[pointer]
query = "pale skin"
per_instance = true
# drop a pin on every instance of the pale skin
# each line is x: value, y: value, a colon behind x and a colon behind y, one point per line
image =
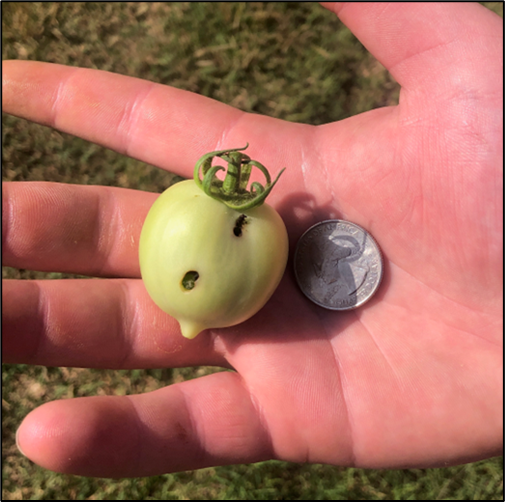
x: 413, y: 379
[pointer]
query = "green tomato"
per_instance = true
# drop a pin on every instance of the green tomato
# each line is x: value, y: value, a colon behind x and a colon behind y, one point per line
x: 206, y: 264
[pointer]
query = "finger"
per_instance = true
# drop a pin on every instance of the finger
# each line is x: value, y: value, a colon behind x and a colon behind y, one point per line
x: 194, y: 424
x: 429, y: 45
x: 94, y: 324
x: 86, y: 230
x: 161, y: 125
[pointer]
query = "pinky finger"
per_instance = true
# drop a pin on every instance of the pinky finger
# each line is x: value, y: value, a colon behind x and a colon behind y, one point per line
x: 199, y: 423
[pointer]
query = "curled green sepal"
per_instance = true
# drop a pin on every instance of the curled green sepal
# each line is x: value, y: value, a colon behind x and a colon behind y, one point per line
x: 232, y: 191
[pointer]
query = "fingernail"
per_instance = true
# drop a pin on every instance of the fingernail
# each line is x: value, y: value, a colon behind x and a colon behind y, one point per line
x: 17, y: 442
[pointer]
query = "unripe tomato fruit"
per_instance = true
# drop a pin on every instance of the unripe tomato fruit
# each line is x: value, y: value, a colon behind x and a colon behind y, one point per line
x: 206, y: 264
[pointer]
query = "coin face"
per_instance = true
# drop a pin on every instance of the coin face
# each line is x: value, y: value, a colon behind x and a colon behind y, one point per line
x: 338, y: 265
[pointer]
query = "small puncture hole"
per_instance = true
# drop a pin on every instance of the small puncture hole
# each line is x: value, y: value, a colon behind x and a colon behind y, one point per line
x: 239, y: 223
x: 189, y: 280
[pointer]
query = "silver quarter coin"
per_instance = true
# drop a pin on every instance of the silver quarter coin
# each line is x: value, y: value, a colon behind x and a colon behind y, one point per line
x: 338, y: 265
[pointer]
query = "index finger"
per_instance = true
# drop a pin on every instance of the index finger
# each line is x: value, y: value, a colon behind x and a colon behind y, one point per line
x: 158, y: 124
x: 132, y: 116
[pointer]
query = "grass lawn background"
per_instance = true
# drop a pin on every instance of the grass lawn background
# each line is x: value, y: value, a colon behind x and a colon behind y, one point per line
x: 294, y: 61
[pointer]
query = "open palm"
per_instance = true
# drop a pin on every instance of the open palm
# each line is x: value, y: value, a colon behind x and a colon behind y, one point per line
x: 411, y: 379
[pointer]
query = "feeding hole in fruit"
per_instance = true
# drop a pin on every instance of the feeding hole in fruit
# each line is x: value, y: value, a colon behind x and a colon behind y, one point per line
x: 239, y: 223
x: 189, y: 280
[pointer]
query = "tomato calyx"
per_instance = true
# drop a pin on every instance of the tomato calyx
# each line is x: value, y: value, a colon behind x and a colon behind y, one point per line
x: 232, y: 191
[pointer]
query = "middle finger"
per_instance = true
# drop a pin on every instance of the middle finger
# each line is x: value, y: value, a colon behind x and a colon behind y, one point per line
x: 87, y: 230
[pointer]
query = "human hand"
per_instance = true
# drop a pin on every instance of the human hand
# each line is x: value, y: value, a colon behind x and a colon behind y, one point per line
x: 411, y: 379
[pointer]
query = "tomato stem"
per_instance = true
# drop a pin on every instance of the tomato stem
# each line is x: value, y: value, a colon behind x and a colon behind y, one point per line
x: 232, y: 191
